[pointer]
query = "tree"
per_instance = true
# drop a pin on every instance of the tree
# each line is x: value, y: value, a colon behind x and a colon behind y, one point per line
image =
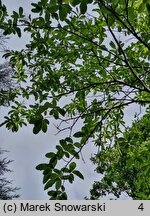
x: 127, y: 164
x: 7, y: 192
x: 97, y: 61
x: 6, y: 73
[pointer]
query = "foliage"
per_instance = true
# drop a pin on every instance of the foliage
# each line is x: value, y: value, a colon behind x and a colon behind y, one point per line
x: 96, y: 62
x: 126, y: 164
x: 7, y: 192
x: 6, y: 74
x: 6, y: 84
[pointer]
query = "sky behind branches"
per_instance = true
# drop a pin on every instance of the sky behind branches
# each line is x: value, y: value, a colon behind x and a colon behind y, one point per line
x: 28, y: 150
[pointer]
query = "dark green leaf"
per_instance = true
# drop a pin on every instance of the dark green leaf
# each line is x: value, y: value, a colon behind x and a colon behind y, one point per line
x: 83, y: 7
x: 49, y: 184
x: 65, y: 170
x: 53, y: 161
x: 75, y: 2
x: 45, y: 122
x: 64, y: 196
x: 62, y: 142
x: 79, y: 134
x: 37, y: 128
x: 78, y: 145
x: 50, y: 155
x: 72, y: 166
x: 112, y: 45
x: 58, y: 184
x: 65, y: 177
x: 41, y: 166
x: 46, y: 177
x: 58, y: 172
x: 67, y: 154
x: 71, y: 178
x: 20, y: 11
x: 69, y: 140
x: 53, y: 9
x: 78, y: 173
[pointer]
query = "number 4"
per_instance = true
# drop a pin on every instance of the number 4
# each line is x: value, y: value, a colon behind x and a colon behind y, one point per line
x: 141, y: 207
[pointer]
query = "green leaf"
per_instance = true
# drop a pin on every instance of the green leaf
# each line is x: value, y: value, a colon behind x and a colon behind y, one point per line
x: 83, y: 7
x: 55, y: 195
x: 65, y: 177
x: 141, y: 7
x: 71, y: 178
x: 37, y: 128
x: 45, y: 122
x: 53, y: 161
x: 53, y: 9
x: 58, y: 184
x: 69, y: 140
x: 62, y: 188
x: 67, y: 154
x: 78, y: 173
x: 65, y: 170
x: 55, y: 113
x: 64, y: 196
x: 112, y: 44
x: 15, y: 17
x: 20, y: 11
x: 50, y: 155
x: 111, y: 21
x: 78, y: 145
x: 72, y: 166
x: 76, y: 155
x: 58, y: 172
x: 62, y: 111
x: 62, y: 142
x: 148, y: 7
x: 60, y: 152
x: 79, y: 134
x: 46, y: 177
x: 49, y: 184
x: 69, y: 147
x: 37, y: 8
x: 41, y: 166
x: 75, y: 2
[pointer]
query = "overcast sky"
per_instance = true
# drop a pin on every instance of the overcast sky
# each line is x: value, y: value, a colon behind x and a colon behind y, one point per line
x: 28, y: 150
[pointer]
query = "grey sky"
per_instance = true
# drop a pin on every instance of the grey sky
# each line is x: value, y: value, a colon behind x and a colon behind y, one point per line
x: 28, y: 150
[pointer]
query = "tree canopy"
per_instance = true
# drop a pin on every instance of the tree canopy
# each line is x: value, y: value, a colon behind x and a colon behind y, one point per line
x: 127, y: 164
x: 86, y: 62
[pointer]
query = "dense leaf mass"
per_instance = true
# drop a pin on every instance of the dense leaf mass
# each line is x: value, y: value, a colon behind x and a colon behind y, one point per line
x: 86, y: 61
x: 126, y: 164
